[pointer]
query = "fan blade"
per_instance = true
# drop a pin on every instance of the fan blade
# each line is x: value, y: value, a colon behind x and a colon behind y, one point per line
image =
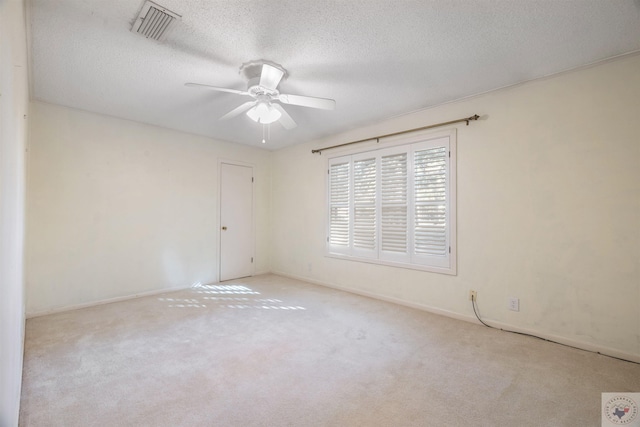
x: 238, y: 110
x: 216, y: 88
x: 285, y: 118
x: 270, y: 76
x: 308, y: 101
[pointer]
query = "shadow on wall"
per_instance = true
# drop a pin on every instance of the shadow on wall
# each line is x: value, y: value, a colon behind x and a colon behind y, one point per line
x: 227, y: 296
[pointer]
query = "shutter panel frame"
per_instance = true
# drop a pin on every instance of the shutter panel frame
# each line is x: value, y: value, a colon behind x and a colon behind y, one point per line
x: 339, y: 206
x: 432, y: 203
x: 394, y: 210
x: 365, y: 229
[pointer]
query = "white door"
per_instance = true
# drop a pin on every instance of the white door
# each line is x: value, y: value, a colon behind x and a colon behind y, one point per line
x: 236, y: 221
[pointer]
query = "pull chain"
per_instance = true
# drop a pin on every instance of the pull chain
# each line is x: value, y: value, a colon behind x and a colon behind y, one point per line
x: 268, y: 132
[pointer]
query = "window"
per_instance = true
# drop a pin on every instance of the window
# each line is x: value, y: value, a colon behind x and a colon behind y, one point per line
x: 396, y: 205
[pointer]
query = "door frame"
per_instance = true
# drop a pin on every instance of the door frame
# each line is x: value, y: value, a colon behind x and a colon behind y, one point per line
x: 222, y: 161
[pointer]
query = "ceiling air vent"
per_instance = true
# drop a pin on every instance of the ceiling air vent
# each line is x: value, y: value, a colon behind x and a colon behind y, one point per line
x: 154, y: 21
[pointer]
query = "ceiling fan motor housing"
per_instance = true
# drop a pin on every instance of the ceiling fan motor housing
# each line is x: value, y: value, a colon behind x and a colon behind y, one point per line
x: 255, y: 90
x: 252, y: 69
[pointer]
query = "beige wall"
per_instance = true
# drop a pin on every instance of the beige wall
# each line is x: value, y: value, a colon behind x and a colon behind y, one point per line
x: 118, y: 208
x: 14, y: 105
x: 548, y: 210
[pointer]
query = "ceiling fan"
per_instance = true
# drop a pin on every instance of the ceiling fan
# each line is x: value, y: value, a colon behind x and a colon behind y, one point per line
x: 263, y: 80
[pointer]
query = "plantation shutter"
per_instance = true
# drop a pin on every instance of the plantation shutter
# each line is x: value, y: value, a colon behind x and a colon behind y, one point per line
x: 364, y: 206
x: 339, y: 205
x: 395, y: 205
x: 394, y: 211
x: 431, y: 203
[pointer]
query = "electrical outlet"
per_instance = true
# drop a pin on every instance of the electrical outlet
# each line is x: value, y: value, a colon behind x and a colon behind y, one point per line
x: 473, y: 296
x: 513, y: 304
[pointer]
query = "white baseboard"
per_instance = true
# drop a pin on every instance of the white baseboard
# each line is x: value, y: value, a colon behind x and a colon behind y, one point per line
x: 104, y: 301
x: 62, y: 309
x: 607, y: 351
x: 261, y: 272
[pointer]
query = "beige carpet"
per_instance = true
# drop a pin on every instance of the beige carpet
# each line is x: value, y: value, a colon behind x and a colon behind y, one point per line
x: 271, y: 351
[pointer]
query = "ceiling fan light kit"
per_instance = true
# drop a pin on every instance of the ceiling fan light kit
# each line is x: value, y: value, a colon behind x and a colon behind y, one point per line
x: 264, y: 113
x: 263, y: 78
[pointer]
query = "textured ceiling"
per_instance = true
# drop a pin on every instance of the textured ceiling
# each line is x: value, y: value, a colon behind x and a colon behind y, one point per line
x: 376, y: 58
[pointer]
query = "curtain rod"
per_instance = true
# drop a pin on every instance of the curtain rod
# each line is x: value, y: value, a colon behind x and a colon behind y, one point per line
x: 377, y: 138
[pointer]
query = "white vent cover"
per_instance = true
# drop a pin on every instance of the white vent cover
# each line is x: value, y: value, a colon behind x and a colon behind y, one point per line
x: 154, y: 21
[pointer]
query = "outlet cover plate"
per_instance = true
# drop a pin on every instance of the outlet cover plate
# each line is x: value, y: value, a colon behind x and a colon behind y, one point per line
x: 513, y: 304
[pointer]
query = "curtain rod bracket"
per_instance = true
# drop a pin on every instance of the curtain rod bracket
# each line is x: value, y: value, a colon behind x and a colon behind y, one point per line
x: 474, y: 117
x: 377, y: 138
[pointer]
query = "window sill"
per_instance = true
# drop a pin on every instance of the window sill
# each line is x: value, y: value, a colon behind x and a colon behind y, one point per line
x: 441, y: 270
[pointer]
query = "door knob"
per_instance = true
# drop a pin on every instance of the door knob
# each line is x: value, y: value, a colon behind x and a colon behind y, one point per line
x: 224, y: 228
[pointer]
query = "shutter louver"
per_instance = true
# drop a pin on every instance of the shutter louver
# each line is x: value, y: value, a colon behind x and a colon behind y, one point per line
x: 393, y: 173
x: 339, y: 178
x: 364, y: 200
x: 430, y: 198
